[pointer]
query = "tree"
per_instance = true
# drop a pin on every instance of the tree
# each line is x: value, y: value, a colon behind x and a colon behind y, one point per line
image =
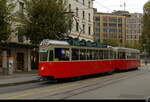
x: 134, y: 46
x: 6, y: 19
x: 145, y: 38
x: 111, y: 42
x: 44, y: 20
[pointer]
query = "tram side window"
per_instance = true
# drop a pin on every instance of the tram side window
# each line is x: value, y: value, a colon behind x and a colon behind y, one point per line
x: 101, y: 54
x: 97, y: 55
x: 75, y: 54
x: 122, y: 55
x: 106, y: 56
x: 115, y: 55
x: 50, y: 55
x: 111, y: 54
x: 88, y: 55
x: 91, y: 55
x: 62, y: 54
x: 82, y: 54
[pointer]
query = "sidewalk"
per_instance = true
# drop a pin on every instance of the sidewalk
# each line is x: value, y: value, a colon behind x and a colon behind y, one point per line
x: 143, y: 65
x: 19, y: 78
x: 26, y: 77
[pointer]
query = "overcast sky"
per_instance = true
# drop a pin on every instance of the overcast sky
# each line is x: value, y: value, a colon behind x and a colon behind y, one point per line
x: 133, y: 6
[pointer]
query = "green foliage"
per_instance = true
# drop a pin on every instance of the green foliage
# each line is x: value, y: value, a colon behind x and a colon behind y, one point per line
x: 111, y: 42
x: 44, y: 19
x: 134, y: 46
x: 145, y: 38
x: 5, y: 19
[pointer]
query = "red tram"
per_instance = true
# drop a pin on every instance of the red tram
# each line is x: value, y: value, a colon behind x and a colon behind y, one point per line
x: 59, y: 60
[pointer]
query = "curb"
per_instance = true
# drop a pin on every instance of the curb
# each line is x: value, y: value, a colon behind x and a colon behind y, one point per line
x: 18, y: 83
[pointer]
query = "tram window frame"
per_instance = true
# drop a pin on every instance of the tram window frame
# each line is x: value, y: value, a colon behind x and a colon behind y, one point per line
x: 97, y: 55
x: 105, y: 54
x: 88, y: 54
x: 63, y: 56
x: 101, y: 57
x: 122, y: 55
x: 41, y: 56
x: 51, y: 56
x: 82, y: 54
x: 78, y: 54
x: 91, y: 54
x: 111, y: 54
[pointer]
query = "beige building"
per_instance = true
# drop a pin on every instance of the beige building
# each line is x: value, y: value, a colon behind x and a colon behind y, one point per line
x: 109, y: 26
x: 133, y: 28
x: 83, y: 19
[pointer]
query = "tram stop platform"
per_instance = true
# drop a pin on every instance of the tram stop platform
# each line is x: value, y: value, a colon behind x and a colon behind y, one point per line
x: 19, y: 78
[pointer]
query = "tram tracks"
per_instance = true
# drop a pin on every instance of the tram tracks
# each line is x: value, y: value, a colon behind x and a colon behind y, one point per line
x: 91, y: 87
x: 67, y: 90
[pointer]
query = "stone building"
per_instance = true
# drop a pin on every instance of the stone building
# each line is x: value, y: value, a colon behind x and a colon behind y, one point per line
x: 83, y: 19
x: 15, y: 53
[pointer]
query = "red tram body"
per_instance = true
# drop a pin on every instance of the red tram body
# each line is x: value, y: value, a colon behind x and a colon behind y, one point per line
x: 115, y: 59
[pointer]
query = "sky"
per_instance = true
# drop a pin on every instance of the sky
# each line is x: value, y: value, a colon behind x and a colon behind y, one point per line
x: 107, y: 6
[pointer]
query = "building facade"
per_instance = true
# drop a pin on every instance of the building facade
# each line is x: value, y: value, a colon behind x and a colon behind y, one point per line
x: 82, y: 19
x: 109, y: 26
x: 15, y: 50
x: 133, y: 28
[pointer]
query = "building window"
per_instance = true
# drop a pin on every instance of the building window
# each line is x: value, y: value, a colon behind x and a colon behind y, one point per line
x: 89, y: 30
x: 69, y: 7
x: 89, y: 17
x: 97, y: 29
x: 89, y: 4
x: 77, y: 11
x: 83, y: 2
x: 83, y: 14
x: 77, y: 26
x: 97, y: 18
x: 83, y: 28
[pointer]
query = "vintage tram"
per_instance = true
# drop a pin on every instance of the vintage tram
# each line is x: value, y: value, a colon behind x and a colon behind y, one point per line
x: 59, y: 60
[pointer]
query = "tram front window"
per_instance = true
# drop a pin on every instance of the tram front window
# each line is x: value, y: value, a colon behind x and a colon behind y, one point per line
x: 43, y: 56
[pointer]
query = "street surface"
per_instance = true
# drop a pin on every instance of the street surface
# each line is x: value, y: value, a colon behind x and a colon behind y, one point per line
x: 125, y: 85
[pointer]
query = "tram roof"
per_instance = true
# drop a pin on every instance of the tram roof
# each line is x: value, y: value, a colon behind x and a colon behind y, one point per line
x: 126, y: 49
x: 46, y: 44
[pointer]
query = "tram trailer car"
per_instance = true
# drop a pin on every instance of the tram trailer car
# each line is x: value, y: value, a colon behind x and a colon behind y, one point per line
x: 59, y: 60
x: 126, y: 58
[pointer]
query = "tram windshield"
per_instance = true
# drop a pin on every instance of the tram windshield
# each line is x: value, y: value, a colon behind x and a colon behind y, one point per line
x: 43, y: 55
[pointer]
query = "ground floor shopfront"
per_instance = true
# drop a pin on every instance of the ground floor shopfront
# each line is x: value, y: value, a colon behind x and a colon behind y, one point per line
x: 16, y: 57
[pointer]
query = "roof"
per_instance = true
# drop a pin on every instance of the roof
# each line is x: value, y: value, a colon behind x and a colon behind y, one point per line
x: 126, y: 49
x: 48, y: 42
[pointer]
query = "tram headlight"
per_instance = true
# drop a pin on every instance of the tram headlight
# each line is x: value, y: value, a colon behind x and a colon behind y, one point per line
x: 42, y: 68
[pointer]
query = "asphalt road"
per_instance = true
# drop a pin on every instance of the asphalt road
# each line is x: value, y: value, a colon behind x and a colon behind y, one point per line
x: 125, y: 85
